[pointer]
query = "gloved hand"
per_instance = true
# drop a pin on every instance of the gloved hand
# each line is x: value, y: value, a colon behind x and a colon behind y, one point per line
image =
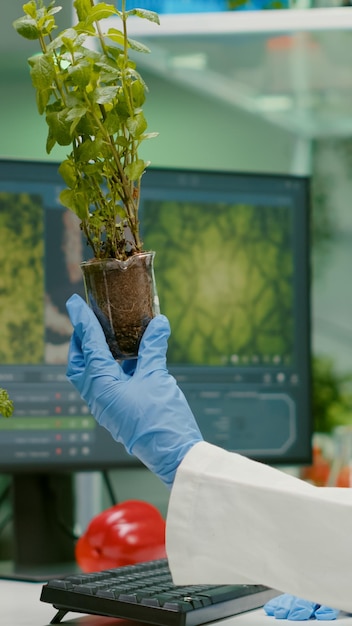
x: 292, y: 608
x: 143, y: 409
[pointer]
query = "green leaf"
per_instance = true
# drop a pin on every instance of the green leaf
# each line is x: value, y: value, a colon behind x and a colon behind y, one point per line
x: 105, y: 95
x: 86, y: 126
x: 111, y: 76
x: 121, y: 108
x: 80, y: 74
x: 71, y: 39
x: 73, y: 100
x: 116, y: 36
x: 77, y: 113
x: 59, y: 127
x: 26, y: 27
x: 99, y: 12
x: 82, y: 8
x: 42, y: 99
x: 138, y: 93
x: 112, y: 123
x: 54, y: 10
x: 88, y: 30
x: 89, y: 150
x: 42, y: 70
x: 76, y: 202
x: 149, y: 136
x: 122, y: 141
x: 30, y: 8
x: 137, y: 124
x: 93, y: 169
x: 145, y: 14
x: 114, y: 53
x: 106, y: 155
x: 68, y: 43
x: 50, y: 142
x: 68, y: 173
x: 46, y: 24
x: 137, y: 46
x: 135, y: 170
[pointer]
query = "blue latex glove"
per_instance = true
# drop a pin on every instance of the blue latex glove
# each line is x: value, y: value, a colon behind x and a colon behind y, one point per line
x: 290, y: 607
x: 143, y: 409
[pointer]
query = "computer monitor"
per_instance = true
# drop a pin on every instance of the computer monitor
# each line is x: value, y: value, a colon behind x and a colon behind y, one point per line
x: 232, y: 270
x: 232, y: 273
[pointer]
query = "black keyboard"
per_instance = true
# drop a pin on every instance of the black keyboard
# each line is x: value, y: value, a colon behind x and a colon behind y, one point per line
x: 144, y: 592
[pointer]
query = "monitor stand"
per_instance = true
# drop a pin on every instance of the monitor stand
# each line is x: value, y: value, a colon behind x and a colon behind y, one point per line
x: 43, y: 523
x: 40, y: 574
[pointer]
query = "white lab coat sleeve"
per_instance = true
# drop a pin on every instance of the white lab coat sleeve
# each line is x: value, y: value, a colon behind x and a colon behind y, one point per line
x: 233, y: 520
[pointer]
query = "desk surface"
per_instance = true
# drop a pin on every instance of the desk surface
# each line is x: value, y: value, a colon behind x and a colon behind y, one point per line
x: 20, y: 606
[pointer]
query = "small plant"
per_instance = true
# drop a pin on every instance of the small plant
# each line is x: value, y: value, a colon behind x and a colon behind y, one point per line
x: 6, y: 405
x: 91, y: 94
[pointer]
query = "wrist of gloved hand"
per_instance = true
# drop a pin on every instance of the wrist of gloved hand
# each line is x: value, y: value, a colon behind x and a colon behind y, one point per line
x: 140, y: 405
x: 286, y: 606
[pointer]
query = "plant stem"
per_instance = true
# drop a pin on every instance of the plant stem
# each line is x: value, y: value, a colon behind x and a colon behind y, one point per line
x: 128, y: 199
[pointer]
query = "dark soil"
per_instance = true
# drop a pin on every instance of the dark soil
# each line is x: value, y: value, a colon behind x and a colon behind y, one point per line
x: 122, y: 296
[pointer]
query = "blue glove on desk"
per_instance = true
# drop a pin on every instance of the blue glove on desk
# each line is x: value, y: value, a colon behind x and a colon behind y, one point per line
x: 292, y: 608
x: 142, y: 406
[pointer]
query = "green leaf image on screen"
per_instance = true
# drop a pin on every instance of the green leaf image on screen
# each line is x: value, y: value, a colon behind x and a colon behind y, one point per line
x: 21, y: 278
x: 227, y: 287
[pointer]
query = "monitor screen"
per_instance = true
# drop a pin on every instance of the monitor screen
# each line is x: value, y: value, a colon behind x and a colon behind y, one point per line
x: 232, y: 273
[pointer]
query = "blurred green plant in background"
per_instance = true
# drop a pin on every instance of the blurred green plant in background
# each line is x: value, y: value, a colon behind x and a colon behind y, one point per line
x: 331, y: 397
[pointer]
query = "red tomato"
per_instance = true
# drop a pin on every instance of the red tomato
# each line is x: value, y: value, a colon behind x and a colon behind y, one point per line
x: 127, y: 533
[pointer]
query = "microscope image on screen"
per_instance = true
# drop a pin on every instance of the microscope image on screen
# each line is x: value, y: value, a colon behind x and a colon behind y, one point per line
x: 22, y: 278
x: 225, y: 280
x: 41, y: 252
x: 225, y: 273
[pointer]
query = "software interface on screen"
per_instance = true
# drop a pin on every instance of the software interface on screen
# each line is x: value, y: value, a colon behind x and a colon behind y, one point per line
x: 232, y: 275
